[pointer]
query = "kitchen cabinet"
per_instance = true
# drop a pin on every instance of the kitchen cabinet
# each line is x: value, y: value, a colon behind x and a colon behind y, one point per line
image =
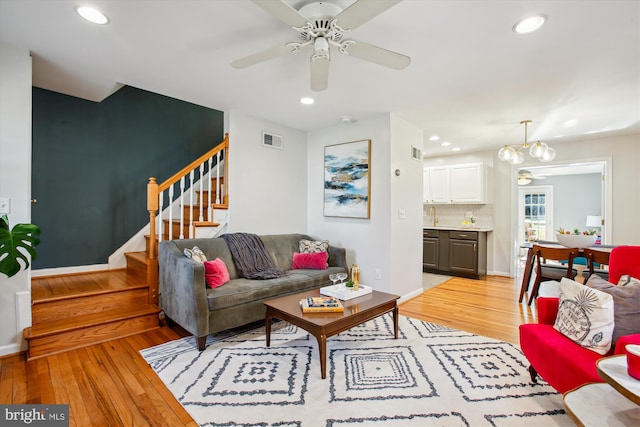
x: 430, y: 249
x: 455, y: 252
x: 439, y: 184
x: 464, y: 183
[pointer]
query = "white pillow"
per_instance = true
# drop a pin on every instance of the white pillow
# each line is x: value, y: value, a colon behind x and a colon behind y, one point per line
x: 585, y: 316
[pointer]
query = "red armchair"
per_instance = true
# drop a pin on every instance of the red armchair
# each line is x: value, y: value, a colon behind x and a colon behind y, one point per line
x: 624, y: 260
x: 564, y: 364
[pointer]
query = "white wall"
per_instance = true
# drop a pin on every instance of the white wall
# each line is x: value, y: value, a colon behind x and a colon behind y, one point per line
x: 15, y: 183
x: 406, y: 194
x: 268, y: 186
x: 381, y: 242
x: 625, y: 191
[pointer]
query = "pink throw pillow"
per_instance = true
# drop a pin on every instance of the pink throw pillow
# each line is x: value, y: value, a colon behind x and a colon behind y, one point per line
x: 314, y: 261
x: 215, y: 273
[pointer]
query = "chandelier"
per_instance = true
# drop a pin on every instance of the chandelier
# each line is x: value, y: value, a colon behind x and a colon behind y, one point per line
x: 538, y: 150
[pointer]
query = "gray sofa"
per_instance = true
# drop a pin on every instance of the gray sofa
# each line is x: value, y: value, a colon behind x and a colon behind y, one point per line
x: 188, y: 301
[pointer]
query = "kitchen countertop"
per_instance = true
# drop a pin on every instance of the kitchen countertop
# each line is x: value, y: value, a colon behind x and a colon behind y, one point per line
x: 455, y: 228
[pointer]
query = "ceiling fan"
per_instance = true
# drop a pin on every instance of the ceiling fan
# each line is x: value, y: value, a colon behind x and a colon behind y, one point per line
x: 324, y: 24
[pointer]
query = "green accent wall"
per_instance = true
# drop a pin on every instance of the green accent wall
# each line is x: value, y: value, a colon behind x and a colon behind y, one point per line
x: 92, y: 162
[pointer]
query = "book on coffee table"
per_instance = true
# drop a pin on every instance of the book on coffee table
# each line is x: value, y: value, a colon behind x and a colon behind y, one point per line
x: 322, y: 304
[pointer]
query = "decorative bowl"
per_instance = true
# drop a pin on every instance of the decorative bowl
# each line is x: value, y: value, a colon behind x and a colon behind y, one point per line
x: 576, y: 240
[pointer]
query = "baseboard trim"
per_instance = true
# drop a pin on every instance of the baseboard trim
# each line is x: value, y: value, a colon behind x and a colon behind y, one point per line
x: 410, y: 295
x: 69, y: 270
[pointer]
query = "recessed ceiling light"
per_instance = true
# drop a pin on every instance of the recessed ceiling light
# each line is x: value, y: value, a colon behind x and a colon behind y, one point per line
x: 530, y: 24
x: 346, y: 119
x: 92, y: 15
x: 434, y: 138
x: 455, y: 149
x: 307, y: 101
x: 570, y: 123
x: 446, y: 144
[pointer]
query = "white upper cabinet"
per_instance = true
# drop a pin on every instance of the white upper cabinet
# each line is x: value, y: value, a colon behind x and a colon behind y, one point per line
x: 439, y: 184
x: 465, y: 183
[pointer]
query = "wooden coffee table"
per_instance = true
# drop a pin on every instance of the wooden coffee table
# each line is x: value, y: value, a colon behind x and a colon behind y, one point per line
x: 324, y: 325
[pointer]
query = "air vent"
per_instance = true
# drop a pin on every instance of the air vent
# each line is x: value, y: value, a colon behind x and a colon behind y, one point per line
x: 416, y: 153
x: 271, y: 140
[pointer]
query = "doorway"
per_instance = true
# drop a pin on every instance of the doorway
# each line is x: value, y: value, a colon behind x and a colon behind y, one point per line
x: 535, y: 213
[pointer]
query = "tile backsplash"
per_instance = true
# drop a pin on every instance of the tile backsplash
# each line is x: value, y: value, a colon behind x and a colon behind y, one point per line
x: 453, y: 215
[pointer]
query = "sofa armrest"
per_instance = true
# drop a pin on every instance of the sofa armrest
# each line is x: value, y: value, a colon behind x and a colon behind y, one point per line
x: 337, y: 257
x: 183, y: 294
x: 547, y: 310
x: 624, y: 340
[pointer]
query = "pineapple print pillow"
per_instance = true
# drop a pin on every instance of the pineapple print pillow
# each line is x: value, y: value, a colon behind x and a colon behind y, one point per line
x: 585, y: 316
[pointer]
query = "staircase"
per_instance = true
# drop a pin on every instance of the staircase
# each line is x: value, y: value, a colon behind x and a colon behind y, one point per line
x: 79, y: 310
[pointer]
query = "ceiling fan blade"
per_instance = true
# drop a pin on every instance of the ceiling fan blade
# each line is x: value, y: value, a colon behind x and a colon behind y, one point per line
x: 283, y: 12
x: 265, y: 55
x: 319, y: 74
x: 376, y: 54
x: 362, y: 11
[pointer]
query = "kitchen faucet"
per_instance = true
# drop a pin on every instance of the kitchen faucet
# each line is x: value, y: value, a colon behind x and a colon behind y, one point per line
x: 432, y: 212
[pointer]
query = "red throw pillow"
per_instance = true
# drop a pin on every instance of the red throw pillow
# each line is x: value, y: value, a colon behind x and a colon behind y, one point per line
x: 314, y: 261
x: 215, y: 273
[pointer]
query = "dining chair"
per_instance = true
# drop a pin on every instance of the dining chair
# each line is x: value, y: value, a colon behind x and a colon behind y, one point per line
x: 547, y: 272
x: 596, y: 259
x: 624, y: 260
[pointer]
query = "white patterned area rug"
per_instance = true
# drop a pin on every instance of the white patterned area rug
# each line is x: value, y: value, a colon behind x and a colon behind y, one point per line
x: 430, y: 376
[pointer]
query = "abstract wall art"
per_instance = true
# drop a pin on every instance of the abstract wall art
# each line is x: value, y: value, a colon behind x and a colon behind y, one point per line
x: 347, y: 179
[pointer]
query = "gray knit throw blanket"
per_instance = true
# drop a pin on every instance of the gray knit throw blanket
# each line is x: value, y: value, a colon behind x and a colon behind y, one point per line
x: 251, y: 257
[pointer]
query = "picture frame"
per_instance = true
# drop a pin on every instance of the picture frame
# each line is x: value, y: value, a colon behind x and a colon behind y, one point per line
x: 347, y: 179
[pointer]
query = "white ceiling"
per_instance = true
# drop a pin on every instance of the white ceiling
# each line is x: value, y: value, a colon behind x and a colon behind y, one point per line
x: 471, y: 79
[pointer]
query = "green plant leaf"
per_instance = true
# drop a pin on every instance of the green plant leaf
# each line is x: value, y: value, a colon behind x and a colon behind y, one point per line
x: 22, y: 236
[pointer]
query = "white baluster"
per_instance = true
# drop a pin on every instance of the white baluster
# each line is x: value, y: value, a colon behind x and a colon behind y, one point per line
x: 171, y: 212
x: 201, y: 190
x: 218, y: 178
x: 192, y: 231
x: 181, y: 208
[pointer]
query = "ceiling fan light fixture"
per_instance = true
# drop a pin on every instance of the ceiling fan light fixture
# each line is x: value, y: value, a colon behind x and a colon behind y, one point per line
x: 92, y: 15
x: 530, y: 24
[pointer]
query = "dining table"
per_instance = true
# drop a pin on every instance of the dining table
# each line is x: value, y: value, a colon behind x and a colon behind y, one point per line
x: 529, y: 262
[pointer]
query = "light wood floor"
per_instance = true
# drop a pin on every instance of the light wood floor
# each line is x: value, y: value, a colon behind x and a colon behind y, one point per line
x: 111, y: 385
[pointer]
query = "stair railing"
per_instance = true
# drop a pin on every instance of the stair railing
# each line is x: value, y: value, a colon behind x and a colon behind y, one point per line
x: 184, y: 182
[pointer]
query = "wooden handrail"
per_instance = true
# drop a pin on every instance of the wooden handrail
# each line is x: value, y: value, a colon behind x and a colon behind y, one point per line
x: 153, y: 191
x: 184, y: 171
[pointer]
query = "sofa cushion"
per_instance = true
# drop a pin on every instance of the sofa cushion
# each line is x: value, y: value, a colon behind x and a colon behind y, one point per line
x: 313, y: 246
x: 626, y: 280
x: 626, y: 306
x: 241, y: 291
x: 585, y: 315
x: 314, y: 261
x: 215, y: 273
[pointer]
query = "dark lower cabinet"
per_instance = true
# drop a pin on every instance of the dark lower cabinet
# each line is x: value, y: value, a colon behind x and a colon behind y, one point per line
x: 430, y: 243
x: 457, y: 253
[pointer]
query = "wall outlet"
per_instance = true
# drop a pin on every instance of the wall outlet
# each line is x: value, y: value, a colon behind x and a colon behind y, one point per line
x: 377, y: 274
x: 5, y: 205
x: 402, y: 214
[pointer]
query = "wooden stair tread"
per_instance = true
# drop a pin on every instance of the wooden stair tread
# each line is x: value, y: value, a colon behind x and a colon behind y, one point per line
x: 82, y: 284
x: 138, y: 256
x: 80, y: 322
x: 205, y: 224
